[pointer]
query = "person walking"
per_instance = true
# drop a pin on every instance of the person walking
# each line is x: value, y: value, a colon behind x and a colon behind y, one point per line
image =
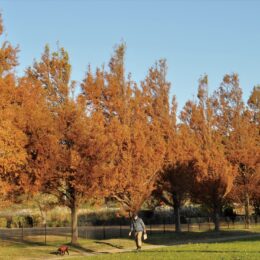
x: 138, y: 227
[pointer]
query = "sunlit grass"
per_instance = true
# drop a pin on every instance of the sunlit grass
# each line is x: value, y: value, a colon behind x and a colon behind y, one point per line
x: 242, y: 249
x: 196, y: 246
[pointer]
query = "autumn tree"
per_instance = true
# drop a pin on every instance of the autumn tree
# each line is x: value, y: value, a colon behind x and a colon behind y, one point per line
x: 13, y: 157
x: 135, y: 147
x: 240, y: 132
x: 244, y: 152
x: 173, y: 187
x: 254, y: 109
x: 77, y: 133
x: 173, y: 183
x: 213, y: 173
x: 37, y: 123
x: 254, y: 104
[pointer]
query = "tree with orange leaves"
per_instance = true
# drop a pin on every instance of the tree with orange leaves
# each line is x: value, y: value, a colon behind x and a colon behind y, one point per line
x: 254, y: 110
x: 254, y: 104
x: 13, y: 157
x: 37, y: 123
x: 244, y: 153
x: 240, y: 135
x: 213, y: 173
x: 174, y: 182
x: 78, y: 135
x: 135, y: 146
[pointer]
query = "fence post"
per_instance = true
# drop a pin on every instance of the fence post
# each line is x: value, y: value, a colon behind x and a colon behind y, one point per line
x: 209, y: 222
x: 104, y: 232
x: 150, y: 228
x: 120, y: 230
x: 163, y: 225
x: 188, y: 224
x: 199, y: 223
x: 45, y: 233
x: 22, y: 232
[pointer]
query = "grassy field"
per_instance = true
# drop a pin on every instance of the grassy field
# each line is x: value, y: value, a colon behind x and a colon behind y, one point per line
x: 240, y: 244
x: 239, y: 249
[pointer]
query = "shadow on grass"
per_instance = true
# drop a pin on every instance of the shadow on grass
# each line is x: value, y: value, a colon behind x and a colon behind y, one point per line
x: 109, y: 244
x: 80, y: 248
x: 55, y: 253
x: 54, y: 244
x: 24, y: 242
x: 156, y: 238
x: 201, y: 251
x: 172, y: 238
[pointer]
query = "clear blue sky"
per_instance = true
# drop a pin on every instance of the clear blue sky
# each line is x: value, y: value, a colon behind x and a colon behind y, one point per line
x: 196, y: 37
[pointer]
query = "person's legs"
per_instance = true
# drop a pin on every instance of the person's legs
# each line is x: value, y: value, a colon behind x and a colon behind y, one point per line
x: 136, y: 239
x: 139, y: 239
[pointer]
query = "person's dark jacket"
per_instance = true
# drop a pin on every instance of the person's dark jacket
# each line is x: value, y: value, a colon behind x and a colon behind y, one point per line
x: 137, y: 225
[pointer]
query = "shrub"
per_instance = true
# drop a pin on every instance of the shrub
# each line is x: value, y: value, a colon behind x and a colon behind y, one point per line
x: 3, y: 222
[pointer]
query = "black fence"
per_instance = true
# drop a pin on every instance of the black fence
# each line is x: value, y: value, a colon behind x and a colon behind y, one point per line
x: 41, y: 234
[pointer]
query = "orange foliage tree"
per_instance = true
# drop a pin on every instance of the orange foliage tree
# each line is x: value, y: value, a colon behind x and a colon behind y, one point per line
x: 254, y: 108
x: 38, y: 125
x: 240, y: 132
x: 173, y: 184
x: 13, y: 157
x: 254, y: 104
x: 213, y: 173
x: 78, y: 134
x: 135, y: 147
x: 120, y: 140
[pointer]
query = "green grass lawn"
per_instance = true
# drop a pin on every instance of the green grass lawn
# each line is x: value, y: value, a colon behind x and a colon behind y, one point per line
x: 187, y: 245
x: 239, y: 249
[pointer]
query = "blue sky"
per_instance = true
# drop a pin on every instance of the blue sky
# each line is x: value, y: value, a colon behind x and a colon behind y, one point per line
x: 195, y: 36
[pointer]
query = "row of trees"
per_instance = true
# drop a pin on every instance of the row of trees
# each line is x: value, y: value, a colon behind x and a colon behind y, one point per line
x: 111, y: 138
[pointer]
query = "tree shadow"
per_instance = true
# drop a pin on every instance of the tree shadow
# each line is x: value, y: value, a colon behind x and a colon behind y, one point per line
x: 55, y: 253
x: 25, y: 243
x: 173, y: 238
x: 109, y: 244
x: 80, y: 248
x: 202, y: 251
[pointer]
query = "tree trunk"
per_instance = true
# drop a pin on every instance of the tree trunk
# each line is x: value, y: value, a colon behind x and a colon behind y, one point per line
x: 43, y: 214
x: 74, y: 223
x: 216, y: 212
x: 176, y: 208
x: 247, y: 220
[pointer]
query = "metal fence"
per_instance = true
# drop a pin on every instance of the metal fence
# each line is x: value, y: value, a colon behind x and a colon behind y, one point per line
x: 87, y: 232
x: 119, y: 231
